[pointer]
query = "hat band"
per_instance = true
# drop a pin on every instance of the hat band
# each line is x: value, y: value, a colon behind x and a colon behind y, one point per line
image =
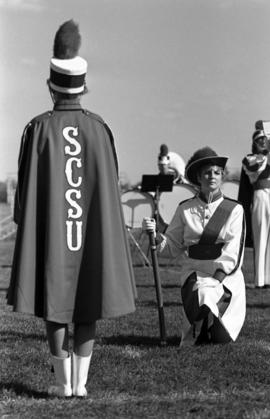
x: 69, y: 90
x: 66, y: 81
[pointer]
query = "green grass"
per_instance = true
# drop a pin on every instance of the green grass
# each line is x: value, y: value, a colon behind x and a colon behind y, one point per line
x: 131, y: 376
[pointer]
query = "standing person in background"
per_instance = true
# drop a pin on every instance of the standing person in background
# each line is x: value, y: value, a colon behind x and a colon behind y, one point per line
x: 71, y: 261
x: 254, y: 193
x: 207, y: 233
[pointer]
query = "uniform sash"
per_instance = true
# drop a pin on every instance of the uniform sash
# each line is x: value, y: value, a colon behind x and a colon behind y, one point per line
x: 206, y: 248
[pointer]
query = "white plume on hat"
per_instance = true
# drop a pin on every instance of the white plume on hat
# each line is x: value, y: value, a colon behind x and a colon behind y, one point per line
x: 177, y: 163
x: 173, y: 160
x: 67, y: 68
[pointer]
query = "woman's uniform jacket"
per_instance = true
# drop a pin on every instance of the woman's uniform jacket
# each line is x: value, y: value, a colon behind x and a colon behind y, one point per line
x: 184, y: 231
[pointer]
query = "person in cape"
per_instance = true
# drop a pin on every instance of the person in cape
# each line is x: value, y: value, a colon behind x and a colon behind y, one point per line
x: 71, y: 261
x: 254, y: 194
x: 207, y: 234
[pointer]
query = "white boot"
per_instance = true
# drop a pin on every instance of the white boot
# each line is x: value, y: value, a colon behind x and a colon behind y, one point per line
x: 62, y: 371
x: 80, y: 369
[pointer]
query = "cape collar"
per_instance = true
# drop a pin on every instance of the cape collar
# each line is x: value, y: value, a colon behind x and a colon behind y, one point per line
x: 67, y: 104
x: 217, y: 196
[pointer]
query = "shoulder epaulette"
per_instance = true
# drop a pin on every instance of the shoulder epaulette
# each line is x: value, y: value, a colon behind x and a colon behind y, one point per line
x: 231, y: 199
x: 94, y: 116
x: 186, y: 200
x: 41, y: 117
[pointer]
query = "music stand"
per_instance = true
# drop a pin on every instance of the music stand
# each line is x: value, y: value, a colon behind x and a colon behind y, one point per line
x: 152, y: 183
x: 157, y: 183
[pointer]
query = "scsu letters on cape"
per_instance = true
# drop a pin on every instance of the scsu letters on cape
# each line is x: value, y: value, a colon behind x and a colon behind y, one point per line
x: 75, y: 211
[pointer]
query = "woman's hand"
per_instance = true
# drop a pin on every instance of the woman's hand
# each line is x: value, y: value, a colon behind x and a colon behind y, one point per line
x: 149, y: 225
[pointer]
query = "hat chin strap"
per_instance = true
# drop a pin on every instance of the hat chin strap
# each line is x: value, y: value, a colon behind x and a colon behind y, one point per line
x: 51, y: 92
x: 52, y: 96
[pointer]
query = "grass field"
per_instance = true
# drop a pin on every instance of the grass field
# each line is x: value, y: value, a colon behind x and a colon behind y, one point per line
x: 131, y: 376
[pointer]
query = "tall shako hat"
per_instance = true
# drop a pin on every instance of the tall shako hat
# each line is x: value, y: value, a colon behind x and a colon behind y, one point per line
x: 200, y: 158
x: 67, y: 69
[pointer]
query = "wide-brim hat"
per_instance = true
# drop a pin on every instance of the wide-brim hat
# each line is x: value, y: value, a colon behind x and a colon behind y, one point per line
x: 200, y: 158
x: 67, y: 69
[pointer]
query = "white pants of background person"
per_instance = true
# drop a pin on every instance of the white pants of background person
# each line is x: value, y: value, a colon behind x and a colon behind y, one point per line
x: 261, y: 236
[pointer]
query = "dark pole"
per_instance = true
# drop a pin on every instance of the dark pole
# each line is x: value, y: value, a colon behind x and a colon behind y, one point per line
x: 158, y: 289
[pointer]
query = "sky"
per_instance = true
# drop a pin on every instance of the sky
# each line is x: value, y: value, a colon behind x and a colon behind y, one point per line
x: 186, y: 73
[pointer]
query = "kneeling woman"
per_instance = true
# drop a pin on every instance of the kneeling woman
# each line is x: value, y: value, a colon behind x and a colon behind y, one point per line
x: 207, y: 233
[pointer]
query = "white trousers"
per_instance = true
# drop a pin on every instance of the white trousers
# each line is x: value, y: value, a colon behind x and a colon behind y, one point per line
x: 261, y: 236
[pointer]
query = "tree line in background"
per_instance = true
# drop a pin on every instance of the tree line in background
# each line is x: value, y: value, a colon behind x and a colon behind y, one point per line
x: 3, y: 192
x: 125, y: 184
x: 231, y: 175
x: 7, y: 189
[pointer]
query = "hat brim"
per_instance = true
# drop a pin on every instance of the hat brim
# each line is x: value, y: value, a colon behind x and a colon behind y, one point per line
x: 192, y: 169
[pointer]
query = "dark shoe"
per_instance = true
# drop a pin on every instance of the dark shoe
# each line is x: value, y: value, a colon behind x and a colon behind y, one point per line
x: 204, y: 337
x: 202, y: 340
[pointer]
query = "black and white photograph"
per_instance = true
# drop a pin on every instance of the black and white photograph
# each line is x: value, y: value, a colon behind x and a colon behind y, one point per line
x: 135, y: 209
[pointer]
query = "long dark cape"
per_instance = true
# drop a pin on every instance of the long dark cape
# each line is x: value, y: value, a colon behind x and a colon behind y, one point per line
x: 245, y: 197
x: 48, y: 279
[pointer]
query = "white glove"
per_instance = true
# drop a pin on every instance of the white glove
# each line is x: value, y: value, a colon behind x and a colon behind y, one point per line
x: 149, y: 225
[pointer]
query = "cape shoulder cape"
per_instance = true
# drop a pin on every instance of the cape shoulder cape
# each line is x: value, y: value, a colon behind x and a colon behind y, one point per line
x: 71, y: 259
